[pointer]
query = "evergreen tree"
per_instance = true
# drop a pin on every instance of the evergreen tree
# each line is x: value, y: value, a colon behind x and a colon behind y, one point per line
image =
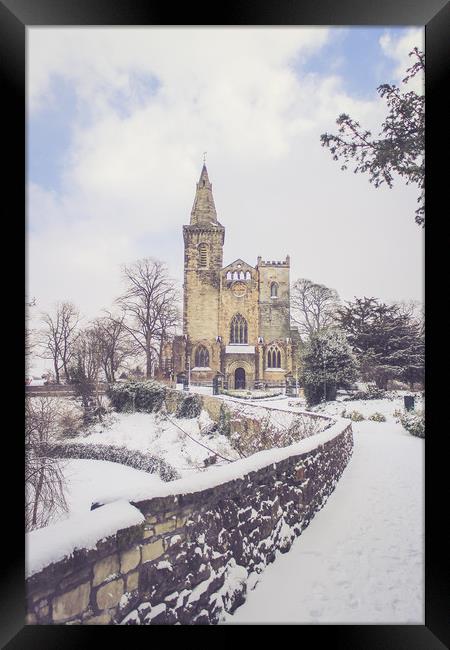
x: 388, y: 343
x: 400, y: 147
x: 328, y: 363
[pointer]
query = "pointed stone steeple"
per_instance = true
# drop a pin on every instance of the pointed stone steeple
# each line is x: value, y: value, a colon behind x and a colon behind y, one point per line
x: 203, y: 211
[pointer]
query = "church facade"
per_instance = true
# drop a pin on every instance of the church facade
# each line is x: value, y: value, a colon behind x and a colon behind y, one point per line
x: 236, y: 318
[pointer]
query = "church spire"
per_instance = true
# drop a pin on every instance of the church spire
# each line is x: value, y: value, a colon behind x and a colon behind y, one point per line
x: 203, y: 211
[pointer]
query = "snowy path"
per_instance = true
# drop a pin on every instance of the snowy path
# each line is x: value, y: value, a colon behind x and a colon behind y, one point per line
x: 361, y: 558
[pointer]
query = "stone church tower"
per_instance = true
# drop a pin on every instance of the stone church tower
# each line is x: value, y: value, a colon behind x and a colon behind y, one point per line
x: 236, y: 318
x: 203, y: 259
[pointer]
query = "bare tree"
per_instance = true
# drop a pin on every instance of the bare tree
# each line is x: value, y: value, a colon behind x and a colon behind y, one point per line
x: 84, y: 372
x: 313, y: 306
x: 149, y: 307
x: 86, y: 357
x: 30, y: 338
x: 169, y: 319
x: 58, y: 337
x: 44, y: 479
x: 114, y: 343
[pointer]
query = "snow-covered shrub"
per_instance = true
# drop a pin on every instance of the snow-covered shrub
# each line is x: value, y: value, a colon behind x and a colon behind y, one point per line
x: 394, y: 384
x: 355, y: 416
x: 190, y: 407
x: 377, y: 417
x: 223, y: 424
x: 328, y: 363
x: 130, y: 396
x: 239, y: 394
x: 70, y: 421
x: 270, y: 434
x: 248, y: 394
x: 112, y: 453
x: 371, y: 392
x: 413, y: 422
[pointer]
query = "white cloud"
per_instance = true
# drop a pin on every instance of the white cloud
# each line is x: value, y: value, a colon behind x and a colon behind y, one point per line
x: 129, y: 176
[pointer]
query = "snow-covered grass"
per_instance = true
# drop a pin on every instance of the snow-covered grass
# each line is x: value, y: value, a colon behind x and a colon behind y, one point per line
x: 386, y: 406
x: 181, y: 442
x: 361, y: 559
x: 90, y: 481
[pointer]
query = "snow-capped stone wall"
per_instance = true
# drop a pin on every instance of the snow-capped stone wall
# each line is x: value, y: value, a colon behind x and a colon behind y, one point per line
x: 195, y: 553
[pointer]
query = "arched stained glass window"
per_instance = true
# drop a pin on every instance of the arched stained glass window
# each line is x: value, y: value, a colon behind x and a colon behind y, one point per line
x: 201, y: 357
x: 238, y: 329
x: 274, y: 290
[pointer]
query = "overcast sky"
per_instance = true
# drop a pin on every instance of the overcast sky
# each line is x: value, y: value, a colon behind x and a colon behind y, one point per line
x: 118, y: 120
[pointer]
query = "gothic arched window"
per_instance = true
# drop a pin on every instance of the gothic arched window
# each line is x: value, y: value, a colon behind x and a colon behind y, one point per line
x: 273, y: 358
x: 229, y: 275
x: 203, y: 255
x: 274, y: 290
x: 201, y: 357
x: 248, y: 275
x: 238, y: 329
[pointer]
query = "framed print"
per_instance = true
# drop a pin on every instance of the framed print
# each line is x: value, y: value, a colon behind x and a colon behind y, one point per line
x: 265, y: 352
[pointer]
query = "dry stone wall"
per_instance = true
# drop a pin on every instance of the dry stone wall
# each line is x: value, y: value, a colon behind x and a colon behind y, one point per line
x: 195, y: 555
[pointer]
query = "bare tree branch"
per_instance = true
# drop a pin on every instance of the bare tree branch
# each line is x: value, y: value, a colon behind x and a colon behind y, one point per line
x: 149, y: 307
x: 58, y: 336
x: 313, y: 306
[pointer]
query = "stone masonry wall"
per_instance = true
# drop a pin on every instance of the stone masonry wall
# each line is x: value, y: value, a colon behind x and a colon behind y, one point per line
x: 195, y: 554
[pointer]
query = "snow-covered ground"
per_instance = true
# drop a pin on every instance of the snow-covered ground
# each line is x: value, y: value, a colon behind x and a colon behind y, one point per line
x: 90, y: 481
x: 386, y: 406
x: 361, y: 560
x: 181, y: 442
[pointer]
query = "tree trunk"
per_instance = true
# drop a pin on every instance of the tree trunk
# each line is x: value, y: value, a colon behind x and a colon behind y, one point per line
x: 37, y: 495
x: 161, y: 348
x: 149, y: 358
x: 55, y: 366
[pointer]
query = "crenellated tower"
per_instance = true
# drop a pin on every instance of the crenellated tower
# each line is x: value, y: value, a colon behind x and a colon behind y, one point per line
x: 236, y: 318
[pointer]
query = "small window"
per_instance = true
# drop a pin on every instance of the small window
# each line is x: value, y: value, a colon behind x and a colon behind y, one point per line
x: 274, y: 290
x: 202, y: 357
x: 203, y: 255
x: 229, y: 275
x: 248, y: 275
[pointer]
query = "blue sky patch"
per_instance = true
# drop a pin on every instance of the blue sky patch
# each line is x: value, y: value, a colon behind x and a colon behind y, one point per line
x: 355, y: 54
x: 49, y: 135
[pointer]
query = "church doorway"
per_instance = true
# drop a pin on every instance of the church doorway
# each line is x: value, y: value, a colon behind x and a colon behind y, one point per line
x: 239, y: 378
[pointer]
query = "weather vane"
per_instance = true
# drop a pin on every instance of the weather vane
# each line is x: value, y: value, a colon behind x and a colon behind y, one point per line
x: 204, y: 157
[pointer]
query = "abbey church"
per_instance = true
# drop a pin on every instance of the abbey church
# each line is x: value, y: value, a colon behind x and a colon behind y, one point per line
x: 236, y: 318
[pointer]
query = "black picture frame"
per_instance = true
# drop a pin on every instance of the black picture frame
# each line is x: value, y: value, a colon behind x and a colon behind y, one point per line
x: 434, y: 15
